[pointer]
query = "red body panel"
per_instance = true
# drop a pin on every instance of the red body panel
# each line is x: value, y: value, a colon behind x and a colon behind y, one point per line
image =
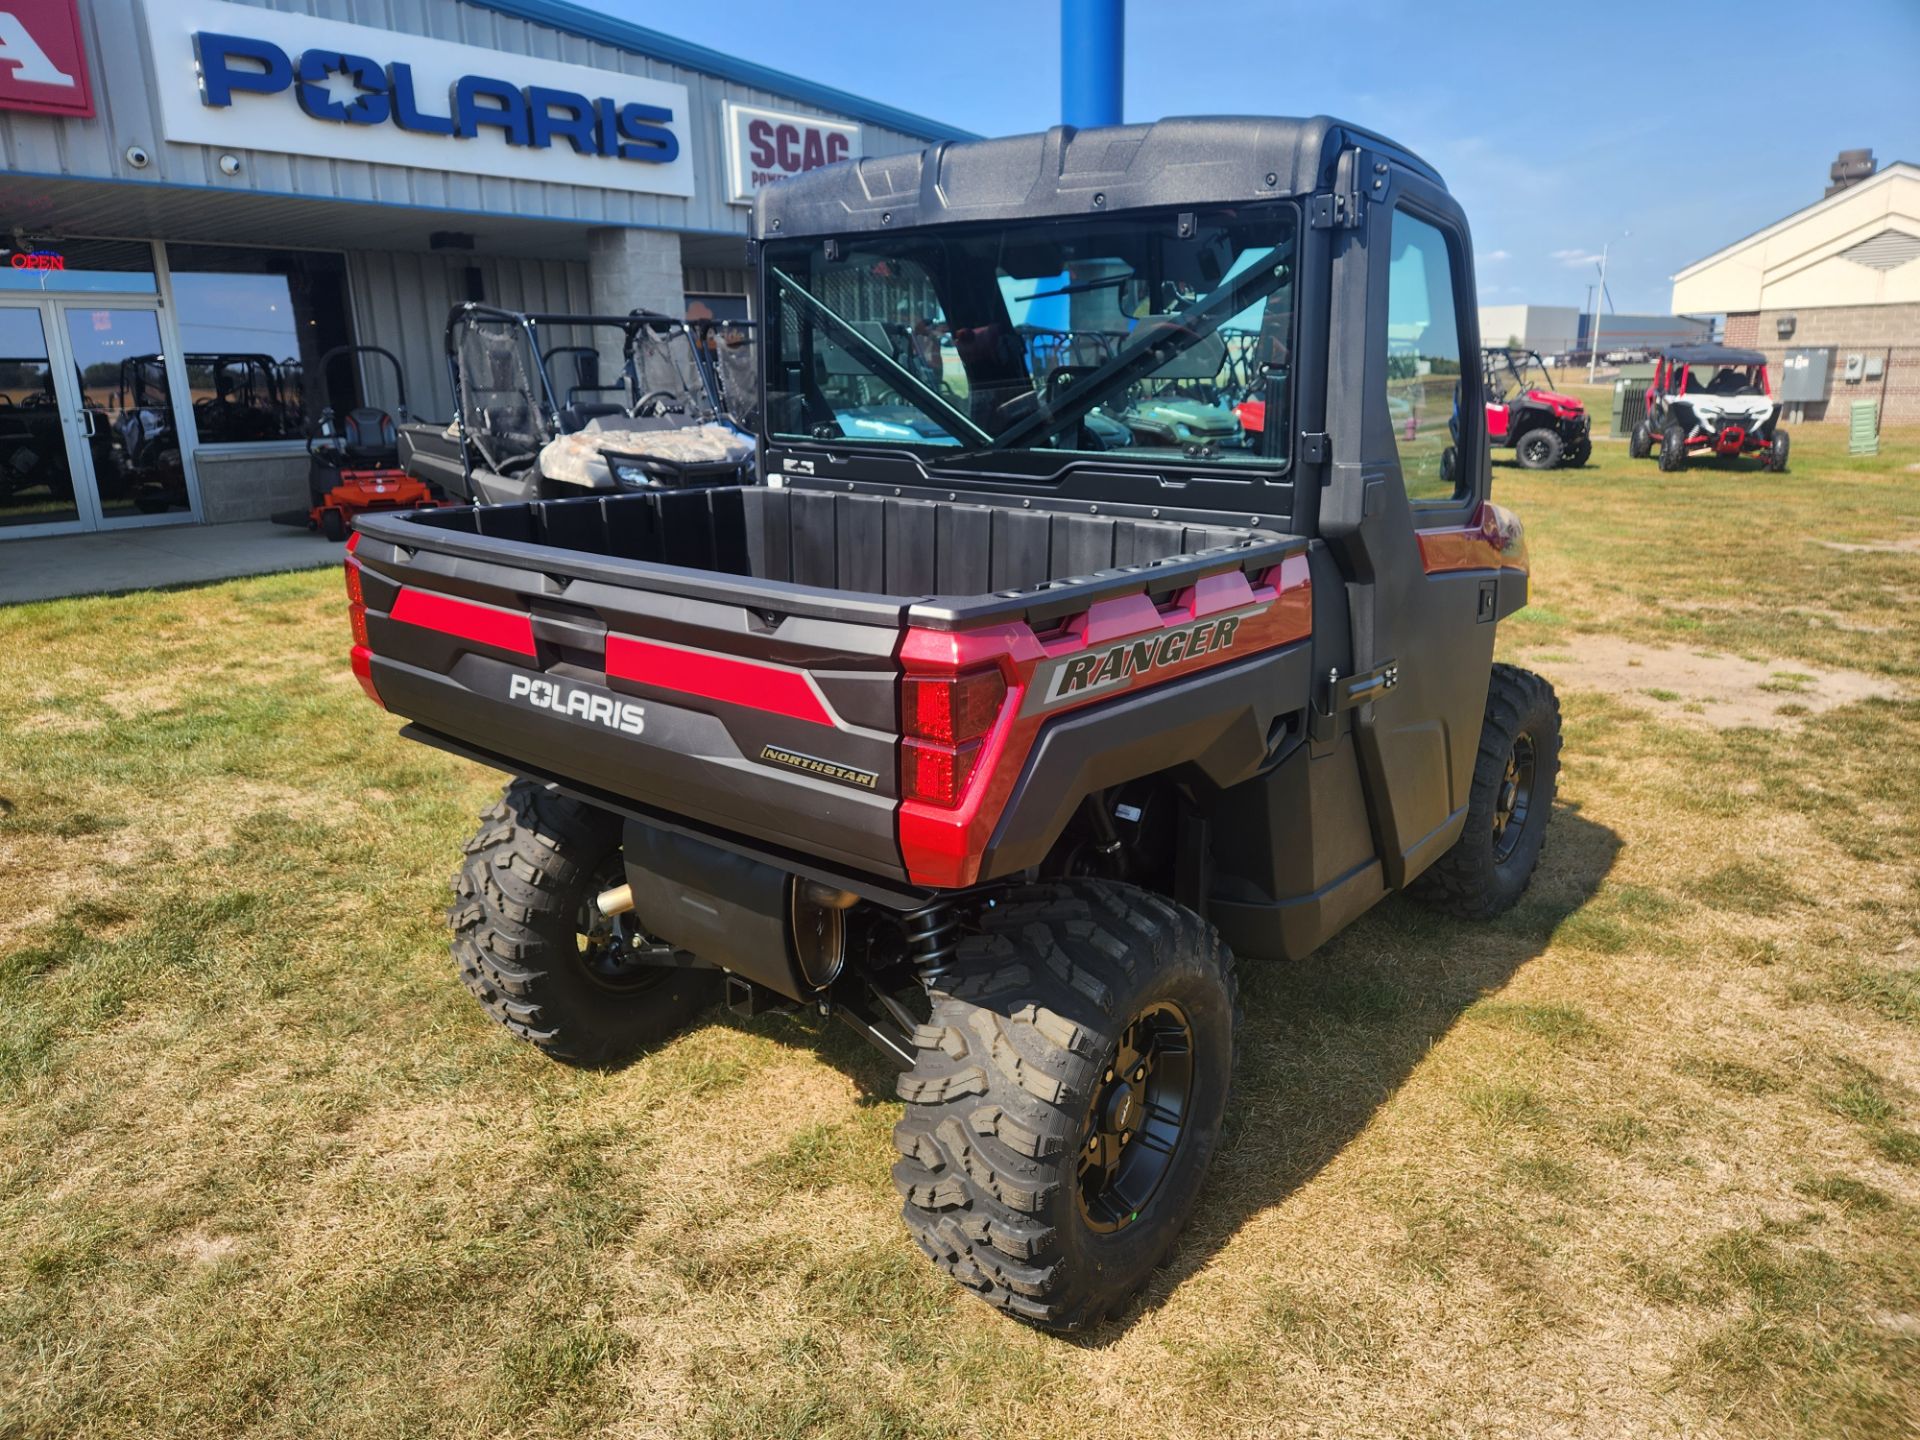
x: 468, y: 619
x: 679, y: 671
x: 1494, y: 541
x: 943, y: 847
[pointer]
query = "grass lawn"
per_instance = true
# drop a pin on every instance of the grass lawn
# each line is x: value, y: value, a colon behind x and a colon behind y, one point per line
x: 1642, y: 1158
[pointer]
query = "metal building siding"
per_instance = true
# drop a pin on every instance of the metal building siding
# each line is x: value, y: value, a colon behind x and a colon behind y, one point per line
x: 128, y: 114
x: 401, y: 299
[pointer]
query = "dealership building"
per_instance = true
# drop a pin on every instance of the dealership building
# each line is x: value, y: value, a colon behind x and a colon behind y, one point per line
x: 1830, y: 293
x: 201, y: 198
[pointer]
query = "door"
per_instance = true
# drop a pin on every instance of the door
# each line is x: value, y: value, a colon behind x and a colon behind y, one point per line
x: 40, y: 463
x: 128, y: 413
x: 1410, y: 463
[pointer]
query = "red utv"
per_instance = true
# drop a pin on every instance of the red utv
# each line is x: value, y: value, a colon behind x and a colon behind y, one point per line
x: 1544, y: 427
x: 1714, y: 400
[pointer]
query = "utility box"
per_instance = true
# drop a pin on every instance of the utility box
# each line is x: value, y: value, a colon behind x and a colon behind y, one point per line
x: 1876, y: 366
x: 1856, y: 367
x: 1863, y: 429
x: 1803, y: 378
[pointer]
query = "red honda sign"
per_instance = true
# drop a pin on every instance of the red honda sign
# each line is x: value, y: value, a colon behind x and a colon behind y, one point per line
x: 43, y: 61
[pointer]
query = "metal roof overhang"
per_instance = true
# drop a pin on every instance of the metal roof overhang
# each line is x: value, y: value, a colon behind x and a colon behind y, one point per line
x: 60, y: 206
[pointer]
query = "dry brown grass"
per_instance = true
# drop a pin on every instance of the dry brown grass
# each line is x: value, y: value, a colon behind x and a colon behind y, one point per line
x: 1641, y: 1158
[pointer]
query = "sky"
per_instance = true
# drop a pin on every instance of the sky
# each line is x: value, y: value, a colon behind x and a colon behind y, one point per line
x: 1660, y: 134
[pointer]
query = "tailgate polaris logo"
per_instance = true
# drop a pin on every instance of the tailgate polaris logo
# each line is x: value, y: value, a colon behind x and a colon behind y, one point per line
x: 1078, y: 675
x: 622, y: 715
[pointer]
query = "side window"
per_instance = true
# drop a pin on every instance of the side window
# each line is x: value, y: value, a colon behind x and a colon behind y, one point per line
x: 1423, y: 362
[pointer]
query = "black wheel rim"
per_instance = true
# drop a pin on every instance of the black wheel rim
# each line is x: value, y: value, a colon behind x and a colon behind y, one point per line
x: 613, y: 951
x: 1138, y: 1119
x: 1514, y: 801
x: 1533, y: 450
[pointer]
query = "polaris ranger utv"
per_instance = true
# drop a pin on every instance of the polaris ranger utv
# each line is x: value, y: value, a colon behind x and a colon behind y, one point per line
x: 1003, y: 743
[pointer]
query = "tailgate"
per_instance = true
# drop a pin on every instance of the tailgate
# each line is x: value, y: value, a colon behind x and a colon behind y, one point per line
x: 711, y: 700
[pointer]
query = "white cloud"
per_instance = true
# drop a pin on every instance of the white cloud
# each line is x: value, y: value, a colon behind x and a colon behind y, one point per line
x: 1574, y: 259
x: 1496, y: 255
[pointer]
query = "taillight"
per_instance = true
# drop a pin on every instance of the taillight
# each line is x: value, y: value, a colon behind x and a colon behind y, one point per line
x: 362, y: 654
x: 953, y: 709
x: 944, y: 718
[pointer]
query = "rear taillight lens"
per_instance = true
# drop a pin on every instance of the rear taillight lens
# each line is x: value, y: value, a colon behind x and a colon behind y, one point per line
x: 357, y: 618
x: 945, y: 718
x: 936, y: 774
x: 953, y: 709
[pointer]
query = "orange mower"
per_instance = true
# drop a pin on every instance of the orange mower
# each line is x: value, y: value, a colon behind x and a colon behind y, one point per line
x: 353, y: 463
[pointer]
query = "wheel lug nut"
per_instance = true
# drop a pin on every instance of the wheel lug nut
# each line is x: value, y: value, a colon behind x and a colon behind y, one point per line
x: 1139, y: 1074
x: 1109, y: 1075
x: 1093, y: 1142
x: 1125, y: 1136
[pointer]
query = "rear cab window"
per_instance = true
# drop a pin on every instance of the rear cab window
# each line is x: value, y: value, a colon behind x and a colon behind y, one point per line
x: 1423, y: 374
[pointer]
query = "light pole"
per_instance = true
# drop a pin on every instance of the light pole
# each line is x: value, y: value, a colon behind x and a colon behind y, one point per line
x: 1599, y: 299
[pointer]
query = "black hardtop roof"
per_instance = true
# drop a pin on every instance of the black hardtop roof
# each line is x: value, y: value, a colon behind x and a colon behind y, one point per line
x: 1711, y: 355
x: 1199, y: 160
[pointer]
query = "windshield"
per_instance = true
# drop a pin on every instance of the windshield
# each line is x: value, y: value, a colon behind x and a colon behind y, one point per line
x: 1142, y: 334
x: 1511, y: 373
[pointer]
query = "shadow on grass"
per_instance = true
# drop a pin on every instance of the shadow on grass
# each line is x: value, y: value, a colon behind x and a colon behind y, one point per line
x: 1325, y: 1041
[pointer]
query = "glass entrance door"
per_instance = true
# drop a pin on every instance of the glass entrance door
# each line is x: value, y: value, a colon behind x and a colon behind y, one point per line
x: 38, y: 466
x: 128, y: 412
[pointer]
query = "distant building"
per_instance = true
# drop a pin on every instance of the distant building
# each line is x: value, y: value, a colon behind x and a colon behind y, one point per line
x: 1560, y: 331
x: 1550, y: 329
x: 1837, y: 284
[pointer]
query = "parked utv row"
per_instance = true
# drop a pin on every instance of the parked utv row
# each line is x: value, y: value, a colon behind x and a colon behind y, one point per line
x: 1005, y: 732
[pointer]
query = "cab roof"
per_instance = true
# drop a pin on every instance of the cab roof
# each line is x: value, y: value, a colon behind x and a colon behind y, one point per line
x: 1201, y: 160
x: 1711, y: 355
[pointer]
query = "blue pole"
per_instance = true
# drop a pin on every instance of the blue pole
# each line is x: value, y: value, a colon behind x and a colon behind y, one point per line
x: 1092, y: 60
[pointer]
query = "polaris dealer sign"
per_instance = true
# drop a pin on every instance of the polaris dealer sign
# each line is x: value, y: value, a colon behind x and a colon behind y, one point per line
x: 238, y: 77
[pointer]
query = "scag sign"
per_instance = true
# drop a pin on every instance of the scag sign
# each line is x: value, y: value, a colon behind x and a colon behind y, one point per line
x: 43, y: 64
x: 240, y: 77
x: 768, y: 145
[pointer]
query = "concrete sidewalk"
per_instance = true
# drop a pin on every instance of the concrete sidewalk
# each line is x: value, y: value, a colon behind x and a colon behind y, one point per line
x: 110, y: 562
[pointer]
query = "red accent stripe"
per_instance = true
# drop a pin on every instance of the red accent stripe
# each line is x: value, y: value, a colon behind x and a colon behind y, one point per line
x: 772, y: 688
x: 468, y: 619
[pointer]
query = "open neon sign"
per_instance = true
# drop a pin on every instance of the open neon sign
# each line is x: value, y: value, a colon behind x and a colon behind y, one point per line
x: 38, y: 260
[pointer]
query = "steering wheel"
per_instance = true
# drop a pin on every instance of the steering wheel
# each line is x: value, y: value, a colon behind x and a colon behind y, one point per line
x: 661, y: 402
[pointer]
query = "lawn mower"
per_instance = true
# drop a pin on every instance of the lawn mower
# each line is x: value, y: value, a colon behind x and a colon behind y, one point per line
x: 353, y: 462
x: 1714, y: 399
x: 1544, y: 427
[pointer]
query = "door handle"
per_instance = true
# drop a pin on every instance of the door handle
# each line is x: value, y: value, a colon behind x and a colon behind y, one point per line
x: 86, y: 421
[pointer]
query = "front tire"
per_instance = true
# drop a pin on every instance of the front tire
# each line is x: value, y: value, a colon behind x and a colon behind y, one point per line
x: 1640, y: 441
x: 1538, y: 449
x: 333, y: 525
x: 1776, y: 456
x: 1067, y: 1098
x: 1673, y: 449
x: 537, y: 955
x: 1580, y: 451
x: 1514, y: 779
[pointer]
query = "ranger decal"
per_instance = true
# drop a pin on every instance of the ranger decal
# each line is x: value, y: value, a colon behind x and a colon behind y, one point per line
x: 1073, y: 677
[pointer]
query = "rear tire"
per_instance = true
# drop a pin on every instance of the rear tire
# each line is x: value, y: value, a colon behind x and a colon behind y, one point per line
x: 333, y: 525
x: 1776, y: 456
x: 532, y: 949
x: 1640, y: 441
x: 1673, y: 449
x: 1045, y: 1169
x: 1538, y: 449
x: 1514, y: 778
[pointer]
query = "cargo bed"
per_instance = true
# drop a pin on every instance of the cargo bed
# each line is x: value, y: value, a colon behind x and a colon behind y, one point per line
x: 731, y: 659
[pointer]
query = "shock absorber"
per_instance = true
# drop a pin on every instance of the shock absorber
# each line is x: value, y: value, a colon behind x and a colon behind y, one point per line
x: 933, y: 938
